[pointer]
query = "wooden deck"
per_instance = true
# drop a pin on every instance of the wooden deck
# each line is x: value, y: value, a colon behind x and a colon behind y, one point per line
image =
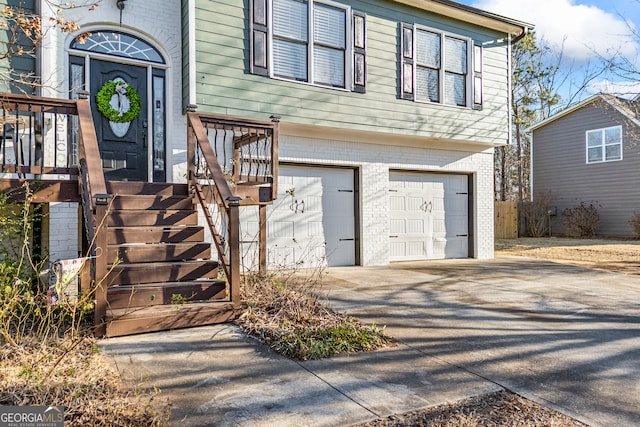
x: 151, y: 267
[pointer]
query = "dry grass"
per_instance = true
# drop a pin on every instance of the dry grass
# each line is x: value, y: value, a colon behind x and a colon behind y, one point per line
x: 612, y: 255
x: 75, y: 374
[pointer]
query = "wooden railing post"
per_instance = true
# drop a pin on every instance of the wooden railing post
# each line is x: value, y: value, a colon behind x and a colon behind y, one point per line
x: 274, y: 156
x: 191, y: 147
x: 262, y: 239
x: 101, y: 269
x: 234, y: 249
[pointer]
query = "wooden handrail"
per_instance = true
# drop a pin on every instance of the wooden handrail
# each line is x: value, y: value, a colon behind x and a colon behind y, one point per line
x: 93, y: 190
x: 88, y: 150
x: 223, y: 196
x: 210, y: 159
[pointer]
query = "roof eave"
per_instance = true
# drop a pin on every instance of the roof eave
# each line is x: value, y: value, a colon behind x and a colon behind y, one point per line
x: 472, y: 15
x: 580, y: 105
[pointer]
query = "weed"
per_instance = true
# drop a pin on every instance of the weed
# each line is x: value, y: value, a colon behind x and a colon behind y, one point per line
x: 286, y: 311
x: 177, y: 299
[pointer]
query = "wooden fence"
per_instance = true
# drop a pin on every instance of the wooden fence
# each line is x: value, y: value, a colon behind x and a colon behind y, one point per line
x: 506, y: 219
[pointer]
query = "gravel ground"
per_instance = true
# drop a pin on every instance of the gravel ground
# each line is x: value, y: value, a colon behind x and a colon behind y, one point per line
x: 496, y: 409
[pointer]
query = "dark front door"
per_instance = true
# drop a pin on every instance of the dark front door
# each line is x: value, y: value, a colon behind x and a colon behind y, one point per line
x: 123, y: 145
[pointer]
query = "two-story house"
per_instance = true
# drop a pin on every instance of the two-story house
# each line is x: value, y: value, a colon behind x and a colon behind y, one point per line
x: 590, y: 153
x: 386, y: 115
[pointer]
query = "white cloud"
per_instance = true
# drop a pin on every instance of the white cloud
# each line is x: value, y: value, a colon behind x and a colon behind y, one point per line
x: 579, y: 28
x: 622, y: 89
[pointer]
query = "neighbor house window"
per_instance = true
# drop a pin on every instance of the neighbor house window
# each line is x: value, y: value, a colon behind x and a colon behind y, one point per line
x: 318, y: 42
x: 604, y: 145
x: 440, y: 67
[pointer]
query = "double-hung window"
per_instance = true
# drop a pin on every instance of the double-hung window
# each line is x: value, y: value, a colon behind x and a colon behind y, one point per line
x: 604, y: 145
x: 318, y: 42
x: 440, y: 67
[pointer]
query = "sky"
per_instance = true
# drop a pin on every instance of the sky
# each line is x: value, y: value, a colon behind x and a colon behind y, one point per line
x: 579, y: 28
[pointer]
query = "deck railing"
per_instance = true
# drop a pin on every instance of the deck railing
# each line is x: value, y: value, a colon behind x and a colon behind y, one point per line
x: 53, y: 139
x: 223, y: 154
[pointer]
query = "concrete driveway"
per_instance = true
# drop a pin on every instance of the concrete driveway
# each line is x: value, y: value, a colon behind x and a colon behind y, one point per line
x: 563, y: 336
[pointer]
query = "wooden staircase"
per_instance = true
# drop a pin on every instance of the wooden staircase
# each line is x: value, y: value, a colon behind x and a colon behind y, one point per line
x: 150, y: 266
x: 161, y: 275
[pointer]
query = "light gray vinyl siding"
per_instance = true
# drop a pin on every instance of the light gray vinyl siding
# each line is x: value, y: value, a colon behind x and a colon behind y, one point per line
x: 225, y: 86
x: 560, y: 167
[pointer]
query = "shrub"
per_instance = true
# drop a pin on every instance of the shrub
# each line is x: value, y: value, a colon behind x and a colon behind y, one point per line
x: 635, y: 223
x: 535, y: 214
x: 582, y: 220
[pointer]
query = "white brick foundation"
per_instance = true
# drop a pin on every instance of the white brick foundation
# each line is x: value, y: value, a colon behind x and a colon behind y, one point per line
x: 374, y: 162
x: 63, y: 223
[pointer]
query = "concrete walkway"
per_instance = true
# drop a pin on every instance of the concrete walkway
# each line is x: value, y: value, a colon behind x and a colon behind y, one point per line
x: 563, y: 336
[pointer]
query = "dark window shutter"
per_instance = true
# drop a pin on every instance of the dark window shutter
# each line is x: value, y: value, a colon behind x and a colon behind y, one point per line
x: 259, y: 42
x: 406, y: 62
x: 477, y: 76
x: 359, y: 52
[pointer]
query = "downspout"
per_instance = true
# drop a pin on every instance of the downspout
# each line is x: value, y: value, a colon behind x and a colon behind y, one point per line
x: 192, y: 52
x: 509, y: 91
x: 531, y: 169
x: 510, y: 42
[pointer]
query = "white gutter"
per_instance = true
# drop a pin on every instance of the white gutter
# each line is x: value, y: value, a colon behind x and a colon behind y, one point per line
x: 192, y: 51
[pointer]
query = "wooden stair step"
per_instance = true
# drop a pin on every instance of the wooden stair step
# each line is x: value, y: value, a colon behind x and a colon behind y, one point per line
x: 134, y: 218
x: 127, y: 321
x: 152, y: 272
x: 143, y: 295
x: 157, y: 252
x: 149, y: 188
x: 158, y: 202
x: 151, y: 234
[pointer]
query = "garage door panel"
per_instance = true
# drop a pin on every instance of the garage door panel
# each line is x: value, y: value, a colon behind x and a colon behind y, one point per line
x: 433, y: 222
x: 397, y: 226
x: 415, y: 226
x: 312, y: 223
x: 397, y: 203
x: 280, y: 229
x: 315, y: 229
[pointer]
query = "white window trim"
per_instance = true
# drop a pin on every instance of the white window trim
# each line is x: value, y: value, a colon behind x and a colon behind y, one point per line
x: 441, y: 73
x: 603, y: 145
x: 348, y: 61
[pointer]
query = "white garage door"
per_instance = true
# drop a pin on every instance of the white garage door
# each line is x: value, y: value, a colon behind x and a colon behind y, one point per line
x: 312, y: 223
x: 428, y: 216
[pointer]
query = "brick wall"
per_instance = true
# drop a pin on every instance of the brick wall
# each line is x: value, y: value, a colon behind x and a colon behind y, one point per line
x: 63, y: 226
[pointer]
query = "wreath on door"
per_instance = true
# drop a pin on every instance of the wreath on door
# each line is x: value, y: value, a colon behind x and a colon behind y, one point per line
x: 118, y: 102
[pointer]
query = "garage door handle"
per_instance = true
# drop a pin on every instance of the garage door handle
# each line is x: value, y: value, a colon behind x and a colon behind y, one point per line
x: 462, y: 235
x: 346, y: 240
x: 393, y: 237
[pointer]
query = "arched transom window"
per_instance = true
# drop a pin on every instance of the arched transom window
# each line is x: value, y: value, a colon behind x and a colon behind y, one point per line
x: 119, y: 44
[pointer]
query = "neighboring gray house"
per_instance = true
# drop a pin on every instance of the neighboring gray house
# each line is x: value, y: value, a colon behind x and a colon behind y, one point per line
x: 590, y: 152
